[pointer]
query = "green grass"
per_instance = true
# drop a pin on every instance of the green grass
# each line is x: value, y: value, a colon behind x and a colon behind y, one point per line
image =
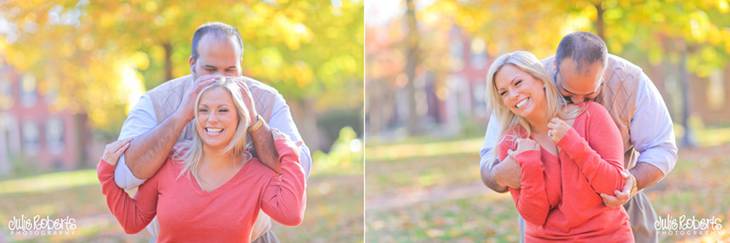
x: 696, y: 187
x: 49, y: 182
x: 334, y: 208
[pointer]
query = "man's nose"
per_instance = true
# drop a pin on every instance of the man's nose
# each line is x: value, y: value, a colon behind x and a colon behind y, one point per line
x: 577, y: 99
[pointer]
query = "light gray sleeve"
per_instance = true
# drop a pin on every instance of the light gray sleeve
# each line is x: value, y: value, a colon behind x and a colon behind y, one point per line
x: 490, y: 142
x: 651, y: 128
x: 140, y: 120
x: 282, y: 120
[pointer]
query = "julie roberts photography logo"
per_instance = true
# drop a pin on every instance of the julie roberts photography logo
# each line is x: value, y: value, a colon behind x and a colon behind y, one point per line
x: 685, y: 225
x: 39, y: 226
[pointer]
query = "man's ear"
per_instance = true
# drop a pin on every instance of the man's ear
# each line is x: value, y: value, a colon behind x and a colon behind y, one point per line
x: 191, y: 61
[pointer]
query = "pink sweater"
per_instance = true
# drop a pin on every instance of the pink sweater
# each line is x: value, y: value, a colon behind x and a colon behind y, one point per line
x: 187, y: 213
x: 559, y: 194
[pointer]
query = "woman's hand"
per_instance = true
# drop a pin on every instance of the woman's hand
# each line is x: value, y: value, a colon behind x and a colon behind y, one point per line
x: 114, y: 150
x: 557, y: 128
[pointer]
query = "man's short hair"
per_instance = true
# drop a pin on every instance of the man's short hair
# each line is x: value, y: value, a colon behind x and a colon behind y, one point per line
x: 217, y: 29
x: 584, y: 48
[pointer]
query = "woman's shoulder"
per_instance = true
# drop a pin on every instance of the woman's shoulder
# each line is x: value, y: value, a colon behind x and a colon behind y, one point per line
x: 593, y: 107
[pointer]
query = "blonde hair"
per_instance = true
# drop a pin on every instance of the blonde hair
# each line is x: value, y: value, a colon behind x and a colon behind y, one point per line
x: 527, y: 62
x: 238, y: 143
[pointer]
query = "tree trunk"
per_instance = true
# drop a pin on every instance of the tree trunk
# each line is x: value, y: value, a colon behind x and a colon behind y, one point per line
x: 168, y: 60
x: 411, y: 64
x: 688, y: 139
x: 600, y: 22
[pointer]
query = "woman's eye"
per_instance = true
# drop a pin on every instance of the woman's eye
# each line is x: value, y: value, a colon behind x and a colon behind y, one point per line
x: 202, y: 110
x: 518, y: 82
x: 223, y: 110
x: 502, y: 93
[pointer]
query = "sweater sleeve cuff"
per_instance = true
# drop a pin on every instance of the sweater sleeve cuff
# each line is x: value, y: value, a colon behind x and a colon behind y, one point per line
x: 284, y: 147
x: 104, y: 169
x: 571, y: 143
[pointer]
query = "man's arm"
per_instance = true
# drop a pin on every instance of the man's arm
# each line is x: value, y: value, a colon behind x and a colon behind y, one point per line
x: 646, y: 175
x: 653, y: 137
x: 489, y: 165
x: 140, y: 120
x: 148, y: 151
x: 282, y: 120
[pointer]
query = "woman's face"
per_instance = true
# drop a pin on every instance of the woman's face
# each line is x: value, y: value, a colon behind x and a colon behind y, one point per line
x: 217, y: 118
x: 519, y: 91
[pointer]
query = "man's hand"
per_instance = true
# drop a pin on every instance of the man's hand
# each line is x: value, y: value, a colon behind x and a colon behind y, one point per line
x: 186, y: 109
x: 621, y: 197
x: 114, y: 150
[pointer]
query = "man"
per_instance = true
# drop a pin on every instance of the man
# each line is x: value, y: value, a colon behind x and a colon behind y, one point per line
x: 584, y: 71
x: 163, y: 115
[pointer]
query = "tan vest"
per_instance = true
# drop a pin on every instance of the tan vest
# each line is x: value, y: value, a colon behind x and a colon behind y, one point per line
x: 168, y: 96
x: 618, y: 95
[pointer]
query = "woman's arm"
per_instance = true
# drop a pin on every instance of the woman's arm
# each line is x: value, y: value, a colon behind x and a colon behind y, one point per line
x: 132, y: 214
x: 532, y: 202
x: 284, y: 197
x: 531, y: 198
x: 600, y: 155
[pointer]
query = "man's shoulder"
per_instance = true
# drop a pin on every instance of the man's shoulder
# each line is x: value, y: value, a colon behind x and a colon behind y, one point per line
x: 620, y: 63
x: 548, y: 60
x: 170, y: 85
x: 259, y: 86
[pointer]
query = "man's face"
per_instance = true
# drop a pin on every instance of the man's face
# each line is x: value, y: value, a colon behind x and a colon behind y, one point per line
x: 579, y: 86
x: 217, y: 56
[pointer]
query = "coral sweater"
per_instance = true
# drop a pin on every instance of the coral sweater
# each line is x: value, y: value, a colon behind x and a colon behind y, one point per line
x: 187, y: 213
x: 559, y: 194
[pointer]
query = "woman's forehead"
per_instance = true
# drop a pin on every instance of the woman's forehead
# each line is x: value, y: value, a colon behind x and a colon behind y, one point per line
x: 216, y: 96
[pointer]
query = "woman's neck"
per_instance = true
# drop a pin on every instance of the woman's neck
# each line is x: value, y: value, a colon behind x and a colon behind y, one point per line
x: 219, y: 159
x: 539, y: 123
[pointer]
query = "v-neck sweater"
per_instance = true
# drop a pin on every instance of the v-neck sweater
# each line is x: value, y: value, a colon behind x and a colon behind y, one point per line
x: 559, y: 194
x: 187, y: 213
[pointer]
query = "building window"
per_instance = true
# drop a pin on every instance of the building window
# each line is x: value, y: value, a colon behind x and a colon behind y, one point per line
x: 31, y: 138
x: 6, y: 92
x: 28, y: 94
x: 54, y: 136
x: 478, y: 54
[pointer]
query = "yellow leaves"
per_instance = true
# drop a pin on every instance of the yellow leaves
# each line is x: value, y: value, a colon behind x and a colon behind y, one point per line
x: 139, y: 60
x: 723, y: 6
x: 294, y: 33
x: 699, y: 25
x: 302, y: 73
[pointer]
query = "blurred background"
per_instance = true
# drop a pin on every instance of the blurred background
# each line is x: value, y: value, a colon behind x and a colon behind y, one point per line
x: 70, y: 71
x: 426, y: 106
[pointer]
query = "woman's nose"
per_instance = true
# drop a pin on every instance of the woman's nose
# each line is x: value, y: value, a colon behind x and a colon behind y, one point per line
x: 511, y: 94
x: 213, y: 117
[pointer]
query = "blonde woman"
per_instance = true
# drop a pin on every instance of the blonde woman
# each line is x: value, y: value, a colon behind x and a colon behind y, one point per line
x: 211, y: 190
x: 568, y: 155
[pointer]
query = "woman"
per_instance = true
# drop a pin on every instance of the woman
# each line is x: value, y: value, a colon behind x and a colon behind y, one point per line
x: 568, y: 155
x: 212, y: 189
